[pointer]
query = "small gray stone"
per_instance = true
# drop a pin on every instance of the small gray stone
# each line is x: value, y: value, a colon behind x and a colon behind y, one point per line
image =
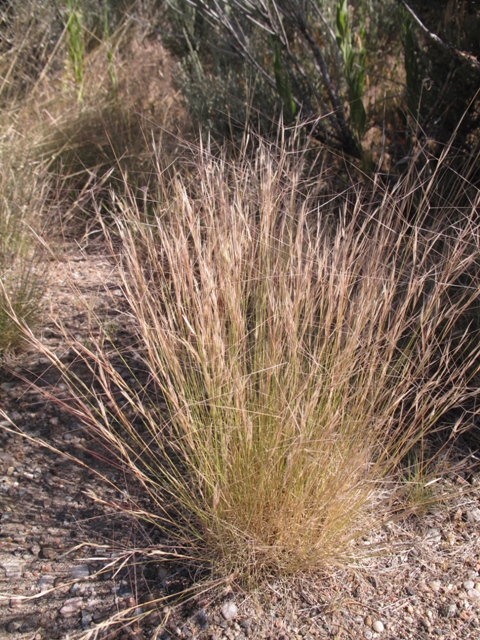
x: 473, y: 594
x: 86, y: 619
x: 473, y: 515
x: 469, y: 584
x: 229, y: 610
x: 45, y: 583
x: 433, y: 536
x: 80, y: 571
x: 13, y: 568
x: 378, y: 627
x: 447, y: 611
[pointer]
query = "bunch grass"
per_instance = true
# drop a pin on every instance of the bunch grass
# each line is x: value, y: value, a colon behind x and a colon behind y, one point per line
x: 294, y: 351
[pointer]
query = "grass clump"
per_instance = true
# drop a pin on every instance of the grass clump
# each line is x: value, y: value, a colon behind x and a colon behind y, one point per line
x: 300, y: 350
x: 22, y: 273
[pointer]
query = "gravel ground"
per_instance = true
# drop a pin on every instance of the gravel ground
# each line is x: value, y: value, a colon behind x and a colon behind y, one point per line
x: 68, y: 563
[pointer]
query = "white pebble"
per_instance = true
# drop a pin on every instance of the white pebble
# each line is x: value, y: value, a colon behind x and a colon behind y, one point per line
x: 469, y: 584
x: 377, y: 626
x: 473, y: 593
x: 229, y: 610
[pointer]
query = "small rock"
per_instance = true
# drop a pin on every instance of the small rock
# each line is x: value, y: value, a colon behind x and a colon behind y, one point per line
x: 435, y: 585
x: 70, y: 606
x: 15, y: 603
x: 13, y: 568
x: 409, y: 619
x: 45, y: 583
x: 229, y: 610
x: 368, y: 635
x: 13, y: 626
x: 246, y: 624
x: 368, y: 621
x: 86, y: 619
x: 378, y: 627
x: 473, y: 515
x: 80, y: 571
x: 474, y: 594
x: 468, y: 584
x: 47, y: 553
x: 450, y: 611
x: 433, y: 535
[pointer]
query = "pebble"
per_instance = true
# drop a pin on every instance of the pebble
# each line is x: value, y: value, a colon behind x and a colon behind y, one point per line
x: 70, y: 606
x: 473, y: 515
x: 86, y: 619
x: 426, y: 623
x: 378, y: 627
x: 434, y: 535
x: 45, y: 583
x: 435, y: 585
x: 229, y: 610
x: 13, y: 569
x: 80, y: 571
x: 47, y: 553
x: 13, y: 626
x: 15, y: 603
x: 473, y: 593
x: 469, y: 584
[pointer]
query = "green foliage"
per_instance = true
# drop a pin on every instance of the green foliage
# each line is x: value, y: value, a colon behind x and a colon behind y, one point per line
x: 282, y: 80
x: 107, y: 41
x: 354, y: 66
x: 76, y: 54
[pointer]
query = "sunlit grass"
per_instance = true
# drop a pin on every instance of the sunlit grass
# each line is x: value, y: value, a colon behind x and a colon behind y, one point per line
x: 296, y: 350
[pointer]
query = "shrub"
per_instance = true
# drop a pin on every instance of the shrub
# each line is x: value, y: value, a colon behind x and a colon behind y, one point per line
x: 302, y: 58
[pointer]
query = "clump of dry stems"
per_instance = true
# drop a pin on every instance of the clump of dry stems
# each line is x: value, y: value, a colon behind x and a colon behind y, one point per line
x: 296, y: 351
